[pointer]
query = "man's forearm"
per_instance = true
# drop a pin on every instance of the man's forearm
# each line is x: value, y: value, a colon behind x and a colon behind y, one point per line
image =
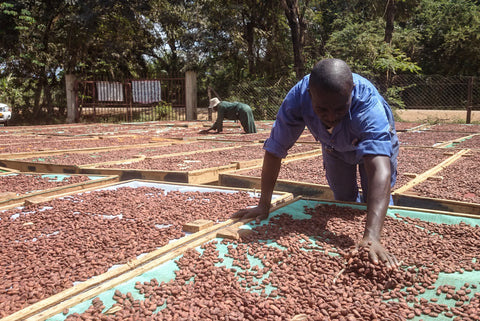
x: 270, y: 170
x: 378, y: 198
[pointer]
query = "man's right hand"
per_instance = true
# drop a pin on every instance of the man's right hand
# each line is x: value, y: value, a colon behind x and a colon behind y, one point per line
x: 258, y: 212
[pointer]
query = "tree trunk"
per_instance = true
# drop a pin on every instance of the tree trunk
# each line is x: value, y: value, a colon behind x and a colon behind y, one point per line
x: 38, y: 95
x: 297, y: 30
x: 389, y: 19
x: 249, y: 37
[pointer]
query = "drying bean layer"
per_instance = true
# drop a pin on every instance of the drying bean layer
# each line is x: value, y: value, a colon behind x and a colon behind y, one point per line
x: 308, y: 266
x: 48, y: 246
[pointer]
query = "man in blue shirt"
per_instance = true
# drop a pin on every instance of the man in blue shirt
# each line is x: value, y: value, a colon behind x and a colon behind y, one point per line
x: 355, y: 125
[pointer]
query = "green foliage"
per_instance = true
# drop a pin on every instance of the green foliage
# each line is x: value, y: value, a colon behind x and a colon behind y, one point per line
x: 230, y: 44
x: 450, y: 36
x: 162, y: 110
x: 393, y: 96
x: 362, y: 46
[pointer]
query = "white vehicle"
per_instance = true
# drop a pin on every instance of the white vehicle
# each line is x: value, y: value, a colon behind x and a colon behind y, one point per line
x: 5, y: 114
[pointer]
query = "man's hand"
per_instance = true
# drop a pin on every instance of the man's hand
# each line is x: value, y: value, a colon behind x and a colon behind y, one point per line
x: 259, y: 213
x: 378, y: 252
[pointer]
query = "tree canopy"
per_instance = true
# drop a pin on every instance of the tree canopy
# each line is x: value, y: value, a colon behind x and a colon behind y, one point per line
x: 227, y: 42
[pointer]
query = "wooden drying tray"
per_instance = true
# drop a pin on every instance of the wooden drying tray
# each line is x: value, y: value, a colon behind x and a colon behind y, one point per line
x: 234, y: 179
x: 431, y: 172
x: 83, y: 150
x: 99, y: 284
x: 86, y: 290
x: 200, y: 176
x: 224, y: 138
x: 23, y: 166
x: 418, y: 127
x: 402, y: 197
x: 457, y: 213
x: 53, y: 192
x: 17, y: 163
x: 290, y: 157
x: 296, y: 188
x: 454, y: 141
x: 443, y: 205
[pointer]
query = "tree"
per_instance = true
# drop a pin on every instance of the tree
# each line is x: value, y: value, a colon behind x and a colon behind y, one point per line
x: 90, y: 37
x: 449, y: 36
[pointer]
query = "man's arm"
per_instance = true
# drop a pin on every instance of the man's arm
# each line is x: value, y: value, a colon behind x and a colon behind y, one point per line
x: 378, y: 173
x: 218, y: 125
x: 270, y: 170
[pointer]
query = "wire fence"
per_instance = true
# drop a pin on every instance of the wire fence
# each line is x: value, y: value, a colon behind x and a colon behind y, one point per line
x: 401, y: 91
x: 264, y: 96
x: 130, y: 100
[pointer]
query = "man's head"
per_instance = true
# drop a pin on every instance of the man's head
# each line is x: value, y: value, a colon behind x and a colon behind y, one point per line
x: 214, y: 103
x: 330, y: 88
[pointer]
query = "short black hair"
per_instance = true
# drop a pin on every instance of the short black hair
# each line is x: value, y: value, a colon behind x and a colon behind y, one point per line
x: 331, y: 75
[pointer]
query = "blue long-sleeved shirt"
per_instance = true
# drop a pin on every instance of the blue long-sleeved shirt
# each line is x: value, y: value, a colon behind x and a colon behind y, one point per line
x: 367, y: 129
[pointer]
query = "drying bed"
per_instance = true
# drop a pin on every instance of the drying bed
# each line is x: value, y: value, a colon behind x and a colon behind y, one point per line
x: 308, y: 170
x: 472, y: 142
x: 413, y: 160
x: 48, y: 247
x: 427, y: 137
x: 22, y: 183
x: 206, y: 159
x: 466, y: 128
x: 458, y: 181
x: 122, y: 154
x: 65, y: 143
x: 300, y: 263
x: 235, y: 135
x: 403, y: 126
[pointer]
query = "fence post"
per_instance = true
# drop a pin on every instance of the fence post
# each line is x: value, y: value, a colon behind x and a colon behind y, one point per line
x: 469, y: 100
x: 71, y: 97
x: 191, y: 95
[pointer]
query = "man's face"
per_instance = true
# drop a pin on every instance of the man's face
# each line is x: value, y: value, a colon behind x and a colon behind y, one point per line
x: 330, y: 107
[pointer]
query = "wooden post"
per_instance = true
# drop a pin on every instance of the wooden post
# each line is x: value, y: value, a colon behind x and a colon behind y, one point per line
x: 191, y: 95
x: 469, y: 100
x: 208, y: 109
x: 71, y: 106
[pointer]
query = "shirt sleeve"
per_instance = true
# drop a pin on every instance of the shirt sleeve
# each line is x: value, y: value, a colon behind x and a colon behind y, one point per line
x: 288, y: 126
x: 372, y: 125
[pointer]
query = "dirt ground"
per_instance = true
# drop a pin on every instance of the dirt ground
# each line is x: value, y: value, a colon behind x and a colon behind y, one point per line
x: 436, y: 116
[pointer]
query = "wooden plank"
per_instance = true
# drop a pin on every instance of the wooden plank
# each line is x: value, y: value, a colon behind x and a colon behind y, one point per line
x: 431, y: 172
x: 197, y: 225
x: 296, y: 188
x: 209, y: 175
x: 418, y: 209
x: 81, y: 150
x: 421, y: 203
x: 453, y: 141
x: 136, y: 160
x: 96, y: 285
x: 24, y: 166
x: 6, y: 170
x: 17, y: 200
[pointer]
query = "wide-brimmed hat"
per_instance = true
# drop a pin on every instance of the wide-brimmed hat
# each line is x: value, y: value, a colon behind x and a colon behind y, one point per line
x: 214, y: 102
